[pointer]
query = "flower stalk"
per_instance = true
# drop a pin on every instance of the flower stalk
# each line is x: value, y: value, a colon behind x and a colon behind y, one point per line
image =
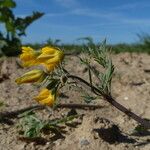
x: 112, y: 101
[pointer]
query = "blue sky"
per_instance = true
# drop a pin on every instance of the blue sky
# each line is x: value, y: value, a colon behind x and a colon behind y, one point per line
x: 116, y: 20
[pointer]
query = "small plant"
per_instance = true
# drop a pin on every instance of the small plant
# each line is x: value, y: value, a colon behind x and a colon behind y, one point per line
x: 54, y: 77
x: 32, y: 127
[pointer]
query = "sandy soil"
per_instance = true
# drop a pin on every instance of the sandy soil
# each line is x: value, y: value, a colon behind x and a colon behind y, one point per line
x: 105, y: 128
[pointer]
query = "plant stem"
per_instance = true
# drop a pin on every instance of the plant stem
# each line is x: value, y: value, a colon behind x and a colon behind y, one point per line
x: 14, y: 114
x: 79, y: 106
x: 112, y: 101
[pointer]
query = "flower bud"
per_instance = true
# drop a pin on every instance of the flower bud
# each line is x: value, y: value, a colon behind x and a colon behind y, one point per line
x: 45, y: 97
x: 31, y: 77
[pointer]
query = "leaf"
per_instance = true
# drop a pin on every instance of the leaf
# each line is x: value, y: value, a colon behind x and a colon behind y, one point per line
x: 88, y: 39
x: 88, y: 98
x: 56, y: 122
x: 141, y: 130
x: 7, y: 3
x: 52, y: 84
x: 6, y: 15
x: 32, y: 127
x: 10, y: 27
x: 22, y: 23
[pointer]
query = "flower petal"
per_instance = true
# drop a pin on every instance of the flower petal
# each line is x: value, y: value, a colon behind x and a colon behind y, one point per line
x: 45, y: 97
x: 31, y: 77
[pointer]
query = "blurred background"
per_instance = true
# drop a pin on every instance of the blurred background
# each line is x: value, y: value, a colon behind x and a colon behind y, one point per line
x: 70, y: 23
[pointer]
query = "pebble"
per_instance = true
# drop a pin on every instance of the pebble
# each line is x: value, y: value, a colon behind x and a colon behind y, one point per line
x: 126, y: 98
x: 84, y: 142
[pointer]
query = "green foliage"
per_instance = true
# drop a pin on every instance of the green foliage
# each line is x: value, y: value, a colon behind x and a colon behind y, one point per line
x: 31, y: 126
x: 35, y: 46
x: 15, y: 27
x: 51, y: 42
x: 22, y: 23
x: 136, y: 47
x: 88, y: 98
x: 141, y: 130
x: 7, y: 3
x: 100, y: 55
x: 144, y: 39
x: 53, y: 84
x: 142, y: 46
x: 89, y: 41
x: 2, y: 44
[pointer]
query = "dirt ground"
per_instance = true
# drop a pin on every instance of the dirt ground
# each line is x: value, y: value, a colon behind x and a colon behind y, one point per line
x: 100, y: 129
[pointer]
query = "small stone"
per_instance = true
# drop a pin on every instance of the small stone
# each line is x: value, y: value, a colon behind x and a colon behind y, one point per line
x: 84, y: 142
x: 126, y: 98
x: 95, y: 135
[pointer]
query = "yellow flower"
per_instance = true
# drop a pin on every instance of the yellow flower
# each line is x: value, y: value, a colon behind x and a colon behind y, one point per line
x: 50, y: 57
x: 45, y: 97
x: 31, y: 77
x: 28, y: 56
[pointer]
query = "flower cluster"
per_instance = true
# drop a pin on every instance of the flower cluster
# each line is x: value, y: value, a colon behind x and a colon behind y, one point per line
x: 50, y: 58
